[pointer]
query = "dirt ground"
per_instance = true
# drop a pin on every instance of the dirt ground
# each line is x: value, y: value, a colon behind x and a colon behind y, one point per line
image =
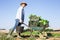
x: 41, y: 39
x: 53, y: 39
x: 49, y: 39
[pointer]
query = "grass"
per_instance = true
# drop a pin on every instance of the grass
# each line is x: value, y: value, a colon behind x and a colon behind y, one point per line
x: 27, y: 33
x: 3, y: 37
x: 56, y: 34
x: 31, y: 38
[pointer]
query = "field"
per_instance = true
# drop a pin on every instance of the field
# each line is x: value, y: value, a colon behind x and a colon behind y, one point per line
x: 27, y: 36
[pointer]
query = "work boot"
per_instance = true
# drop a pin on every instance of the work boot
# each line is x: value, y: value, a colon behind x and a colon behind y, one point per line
x: 19, y: 37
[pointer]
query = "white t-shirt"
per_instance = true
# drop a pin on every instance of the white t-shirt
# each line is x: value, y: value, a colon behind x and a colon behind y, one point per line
x: 20, y: 14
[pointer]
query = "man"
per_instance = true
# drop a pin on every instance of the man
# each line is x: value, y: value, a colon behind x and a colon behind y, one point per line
x: 19, y: 17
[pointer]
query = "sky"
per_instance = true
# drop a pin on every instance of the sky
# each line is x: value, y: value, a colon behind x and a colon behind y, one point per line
x: 47, y: 9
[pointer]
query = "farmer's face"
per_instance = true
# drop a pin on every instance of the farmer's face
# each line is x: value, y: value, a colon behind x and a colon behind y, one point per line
x: 23, y: 5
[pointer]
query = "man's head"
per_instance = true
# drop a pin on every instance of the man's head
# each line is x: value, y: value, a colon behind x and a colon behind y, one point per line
x: 23, y: 4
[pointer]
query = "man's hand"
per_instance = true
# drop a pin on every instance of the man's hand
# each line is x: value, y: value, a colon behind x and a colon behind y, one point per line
x: 22, y: 22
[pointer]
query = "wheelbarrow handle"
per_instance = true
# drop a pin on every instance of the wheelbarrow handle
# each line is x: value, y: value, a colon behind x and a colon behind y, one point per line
x: 25, y: 24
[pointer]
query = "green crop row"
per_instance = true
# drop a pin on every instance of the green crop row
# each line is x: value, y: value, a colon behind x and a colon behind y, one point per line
x: 56, y: 34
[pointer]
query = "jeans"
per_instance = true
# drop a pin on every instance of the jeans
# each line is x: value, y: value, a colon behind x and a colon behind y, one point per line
x: 16, y: 25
